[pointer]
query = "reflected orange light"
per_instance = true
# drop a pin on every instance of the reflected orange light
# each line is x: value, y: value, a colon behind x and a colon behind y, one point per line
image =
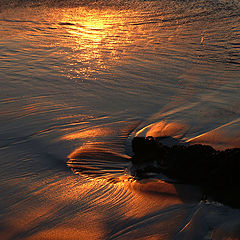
x: 173, y: 129
x: 219, y: 139
x: 94, y: 39
x: 98, y: 39
x: 91, y: 133
x: 166, y: 129
x: 223, y: 137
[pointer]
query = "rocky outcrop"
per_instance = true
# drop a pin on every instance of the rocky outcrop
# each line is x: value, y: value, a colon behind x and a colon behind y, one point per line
x: 216, y: 172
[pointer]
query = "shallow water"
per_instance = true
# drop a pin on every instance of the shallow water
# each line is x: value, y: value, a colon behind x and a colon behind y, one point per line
x: 79, y: 81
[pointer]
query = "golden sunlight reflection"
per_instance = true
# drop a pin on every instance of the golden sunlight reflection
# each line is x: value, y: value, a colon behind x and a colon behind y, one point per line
x: 154, y: 59
x: 89, y: 133
x: 163, y: 128
x: 99, y: 38
x: 90, y: 202
x: 220, y: 139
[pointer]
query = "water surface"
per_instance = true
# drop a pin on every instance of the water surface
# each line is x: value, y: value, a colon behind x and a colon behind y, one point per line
x: 79, y: 81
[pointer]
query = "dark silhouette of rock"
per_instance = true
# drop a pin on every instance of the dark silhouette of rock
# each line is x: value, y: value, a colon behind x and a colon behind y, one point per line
x: 216, y: 172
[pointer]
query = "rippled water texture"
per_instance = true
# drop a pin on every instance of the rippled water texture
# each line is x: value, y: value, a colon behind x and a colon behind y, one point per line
x: 79, y: 80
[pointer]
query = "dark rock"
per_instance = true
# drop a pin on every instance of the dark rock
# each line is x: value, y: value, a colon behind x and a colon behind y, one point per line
x: 216, y: 172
